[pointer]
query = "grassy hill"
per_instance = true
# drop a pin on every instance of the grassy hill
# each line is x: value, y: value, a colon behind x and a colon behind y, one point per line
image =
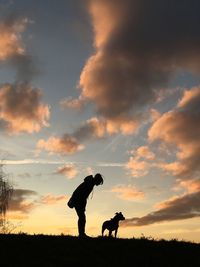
x: 40, y: 250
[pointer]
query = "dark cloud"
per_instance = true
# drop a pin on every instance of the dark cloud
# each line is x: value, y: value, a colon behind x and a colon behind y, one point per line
x: 21, y: 109
x: 71, y: 143
x: 139, y: 47
x: 13, y: 49
x: 181, y: 127
x: 21, y: 202
x: 10, y: 40
x: 179, y: 208
x: 91, y: 129
x: 25, y: 67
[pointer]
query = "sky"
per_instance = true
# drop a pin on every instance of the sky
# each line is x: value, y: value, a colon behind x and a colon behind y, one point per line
x: 110, y: 87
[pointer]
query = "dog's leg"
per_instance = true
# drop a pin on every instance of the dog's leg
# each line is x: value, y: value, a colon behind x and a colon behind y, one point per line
x: 110, y: 233
x: 102, y: 230
x: 116, y: 232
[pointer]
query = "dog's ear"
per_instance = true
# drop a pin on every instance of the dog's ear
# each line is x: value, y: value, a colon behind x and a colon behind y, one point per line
x: 116, y: 213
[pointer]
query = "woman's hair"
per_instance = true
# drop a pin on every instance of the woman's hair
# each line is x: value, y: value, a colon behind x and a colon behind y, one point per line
x: 98, y: 177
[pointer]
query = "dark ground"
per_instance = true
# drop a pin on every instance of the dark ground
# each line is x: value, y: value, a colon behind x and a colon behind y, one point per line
x: 40, y: 250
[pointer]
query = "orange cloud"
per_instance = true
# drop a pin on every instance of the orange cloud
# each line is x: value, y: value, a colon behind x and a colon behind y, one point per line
x: 69, y: 171
x: 12, y: 49
x: 99, y: 127
x: 137, y: 167
x: 176, y: 168
x: 69, y: 144
x: 103, y: 19
x: 155, y: 114
x: 92, y: 128
x: 133, y: 60
x: 145, y: 152
x: 10, y: 38
x: 111, y: 104
x: 129, y: 192
x: 176, y: 208
x: 191, y: 186
x: 124, y: 125
x: 189, y: 96
x: 20, y: 201
x: 16, y: 216
x: 72, y: 103
x: 167, y: 203
x: 181, y: 127
x: 21, y: 109
x: 63, y: 145
x: 50, y: 199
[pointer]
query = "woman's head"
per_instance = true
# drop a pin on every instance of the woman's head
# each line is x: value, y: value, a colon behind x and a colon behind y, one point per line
x: 98, y: 179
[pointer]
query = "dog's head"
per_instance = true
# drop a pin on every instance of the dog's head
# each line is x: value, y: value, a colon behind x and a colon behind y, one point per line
x: 120, y: 216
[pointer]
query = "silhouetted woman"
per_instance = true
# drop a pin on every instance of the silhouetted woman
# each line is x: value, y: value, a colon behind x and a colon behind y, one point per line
x: 78, y: 199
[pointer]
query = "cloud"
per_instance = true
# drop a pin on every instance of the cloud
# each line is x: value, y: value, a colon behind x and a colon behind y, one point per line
x: 129, y: 192
x: 25, y: 68
x: 10, y: 39
x: 181, y: 127
x: 155, y: 114
x: 34, y: 161
x: 72, y: 103
x: 122, y: 124
x: 92, y: 129
x: 13, y: 50
x: 192, y: 186
x: 190, y: 99
x: 23, y: 201
x: 69, y: 171
x: 139, y: 47
x: 63, y: 145
x: 21, y: 109
x: 16, y: 215
x: 71, y: 143
x: 19, y: 201
x: 177, y: 208
x: 144, y: 152
x: 97, y: 128
x: 139, y: 164
x: 137, y: 167
x: 50, y: 199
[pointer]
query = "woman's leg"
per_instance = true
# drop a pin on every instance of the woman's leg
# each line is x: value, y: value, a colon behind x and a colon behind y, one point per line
x: 81, y: 220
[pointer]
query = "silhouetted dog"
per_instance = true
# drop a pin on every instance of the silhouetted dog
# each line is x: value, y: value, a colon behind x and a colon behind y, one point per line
x: 113, y: 224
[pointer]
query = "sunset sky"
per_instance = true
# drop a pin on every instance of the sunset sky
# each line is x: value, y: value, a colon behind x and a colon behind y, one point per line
x: 110, y: 87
